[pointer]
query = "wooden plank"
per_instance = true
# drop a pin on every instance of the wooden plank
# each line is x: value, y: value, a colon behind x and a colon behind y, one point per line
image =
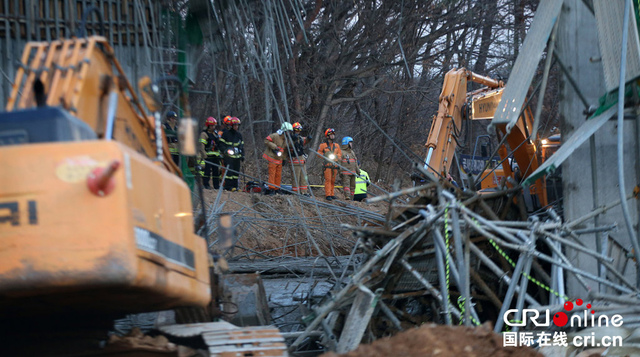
x: 357, y: 320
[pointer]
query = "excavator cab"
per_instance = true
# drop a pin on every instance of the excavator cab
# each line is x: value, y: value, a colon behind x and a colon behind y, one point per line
x: 41, y: 125
x: 90, y: 224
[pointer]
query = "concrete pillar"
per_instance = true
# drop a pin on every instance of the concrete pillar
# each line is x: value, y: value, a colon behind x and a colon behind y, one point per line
x: 578, y: 48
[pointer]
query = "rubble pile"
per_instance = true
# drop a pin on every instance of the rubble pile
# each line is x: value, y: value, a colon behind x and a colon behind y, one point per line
x: 437, y: 257
x: 442, y: 259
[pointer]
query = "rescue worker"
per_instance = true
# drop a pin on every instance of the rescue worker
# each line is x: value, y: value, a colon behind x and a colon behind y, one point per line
x: 232, y: 145
x: 209, y: 153
x: 450, y: 179
x: 297, y: 157
x: 274, y: 153
x: 170, y: 127
x: 349, y: 168
x: 362, y: 183
x: 330, y: 151
x: 226, y: 124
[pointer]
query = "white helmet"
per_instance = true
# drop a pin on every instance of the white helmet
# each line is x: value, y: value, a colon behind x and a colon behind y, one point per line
x: 286, y: 126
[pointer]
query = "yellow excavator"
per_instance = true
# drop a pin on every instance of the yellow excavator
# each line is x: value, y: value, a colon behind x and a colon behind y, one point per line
x: 456, y: 104
x: 95, y: 220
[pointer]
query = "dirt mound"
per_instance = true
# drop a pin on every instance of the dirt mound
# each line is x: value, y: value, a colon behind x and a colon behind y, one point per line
x: 441, y: 341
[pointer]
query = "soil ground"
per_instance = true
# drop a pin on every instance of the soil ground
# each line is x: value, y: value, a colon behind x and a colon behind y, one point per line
x: 441, y: 341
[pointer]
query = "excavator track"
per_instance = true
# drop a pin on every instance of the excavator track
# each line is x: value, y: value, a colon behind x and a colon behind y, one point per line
x: 226, y: 340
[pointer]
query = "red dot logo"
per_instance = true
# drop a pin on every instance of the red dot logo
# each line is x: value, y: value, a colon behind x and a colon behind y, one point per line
x: 579, y: 302
x: 560, y: 318
x: 588, y: 306
x: 568, y: 306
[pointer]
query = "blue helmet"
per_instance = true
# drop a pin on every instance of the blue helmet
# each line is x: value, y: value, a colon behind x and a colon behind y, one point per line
x: 346, y: 140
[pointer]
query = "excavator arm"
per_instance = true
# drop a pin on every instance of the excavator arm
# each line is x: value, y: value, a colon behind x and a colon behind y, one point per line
x: 83, y: 77
x: 441, y: 143
x: 442, y: 140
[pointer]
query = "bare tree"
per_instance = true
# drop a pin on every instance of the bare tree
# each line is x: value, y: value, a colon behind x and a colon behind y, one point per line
x: 371, y: 70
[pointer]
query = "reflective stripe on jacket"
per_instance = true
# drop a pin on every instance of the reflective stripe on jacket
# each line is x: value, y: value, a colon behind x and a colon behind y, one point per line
x: 349, y: 161
x: 208, y: 144
x: 232, y: 140
x: 272, y: 143
x: 361, y: 182
x: 203, y: 141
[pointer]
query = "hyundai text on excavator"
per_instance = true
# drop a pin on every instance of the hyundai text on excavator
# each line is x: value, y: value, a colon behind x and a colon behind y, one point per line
x: 457, y: 104
x: 95, y: 220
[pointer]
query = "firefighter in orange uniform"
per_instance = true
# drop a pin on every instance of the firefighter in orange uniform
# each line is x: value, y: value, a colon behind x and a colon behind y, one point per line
x: 274, y: 154
x: 331, y: 153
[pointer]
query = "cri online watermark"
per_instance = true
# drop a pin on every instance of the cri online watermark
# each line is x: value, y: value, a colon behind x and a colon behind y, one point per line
x: 560, y: 319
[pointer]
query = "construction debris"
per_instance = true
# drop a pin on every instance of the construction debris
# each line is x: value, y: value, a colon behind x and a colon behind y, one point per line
x: 448, y: 258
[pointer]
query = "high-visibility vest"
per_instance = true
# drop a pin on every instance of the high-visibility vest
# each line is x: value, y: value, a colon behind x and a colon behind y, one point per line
x: 209, y: 141
x: 361, y: 182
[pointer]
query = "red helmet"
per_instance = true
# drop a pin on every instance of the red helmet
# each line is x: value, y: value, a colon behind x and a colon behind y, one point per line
x: 227, y: 120
x: 211, y: 121
x: 235, y: 121
x: 297, y: 126
x: 329, y: 131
